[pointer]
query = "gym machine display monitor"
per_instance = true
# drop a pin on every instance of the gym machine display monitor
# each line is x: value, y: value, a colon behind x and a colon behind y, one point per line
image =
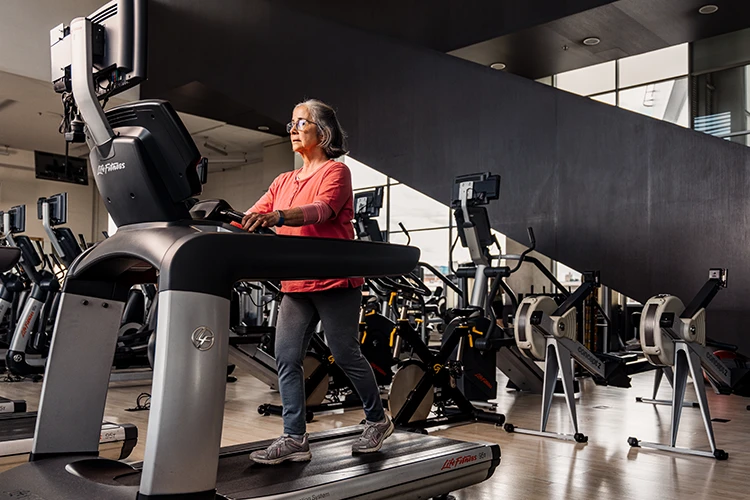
x: 367, y: 205
x: 470, y: 193
x: 369, y: 202
x: 479, y: 189
x: 57, y: 209
x: 118, y: 51
x: 16, y: 220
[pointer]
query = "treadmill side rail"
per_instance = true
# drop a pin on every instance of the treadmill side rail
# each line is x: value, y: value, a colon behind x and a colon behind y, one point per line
x: 70, y: 421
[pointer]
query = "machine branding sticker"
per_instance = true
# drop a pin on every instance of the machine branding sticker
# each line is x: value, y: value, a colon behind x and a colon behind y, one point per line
x: 203, y: 338
x: 717, y: 364
x: 455, y: 462
x: 27, y: 323
x: 109, y: 167
x: 316, y: 496
x: 483, y: 380
x: 588, y: 356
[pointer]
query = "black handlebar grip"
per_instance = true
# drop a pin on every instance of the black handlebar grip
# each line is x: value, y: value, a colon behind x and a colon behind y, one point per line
x: 532, y: 239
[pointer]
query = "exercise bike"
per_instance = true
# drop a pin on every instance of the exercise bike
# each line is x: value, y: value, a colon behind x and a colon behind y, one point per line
x: 429, y: 381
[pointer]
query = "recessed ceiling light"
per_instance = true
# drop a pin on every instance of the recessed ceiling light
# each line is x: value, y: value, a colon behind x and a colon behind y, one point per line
x: 264, y: 128
x: 708, y: 9
x: 497, y: 65
x: 591, y: 41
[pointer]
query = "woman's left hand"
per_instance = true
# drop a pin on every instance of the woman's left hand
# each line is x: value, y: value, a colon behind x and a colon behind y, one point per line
x: 253, y: 221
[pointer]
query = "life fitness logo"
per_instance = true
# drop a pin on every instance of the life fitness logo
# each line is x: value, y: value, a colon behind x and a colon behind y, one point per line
x: 27, y: 324
x: 203, y: 338
x: 452, y: 463
x: 109, y: 167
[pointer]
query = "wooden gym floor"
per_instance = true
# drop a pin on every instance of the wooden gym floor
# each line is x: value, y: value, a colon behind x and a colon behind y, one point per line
x: 531, y: 467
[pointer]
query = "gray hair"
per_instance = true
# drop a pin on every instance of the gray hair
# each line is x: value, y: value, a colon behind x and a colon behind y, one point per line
x: 332, y: 136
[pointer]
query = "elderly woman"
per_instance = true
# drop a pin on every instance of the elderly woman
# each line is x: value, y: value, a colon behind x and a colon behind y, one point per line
x: 316, y: 200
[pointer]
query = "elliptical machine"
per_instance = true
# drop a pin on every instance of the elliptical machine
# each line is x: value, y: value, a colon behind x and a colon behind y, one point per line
x: 37, y: 307
x: 470, y: 193
x: 434, y: 374
x: 13, y: 287
x: 53, y: 212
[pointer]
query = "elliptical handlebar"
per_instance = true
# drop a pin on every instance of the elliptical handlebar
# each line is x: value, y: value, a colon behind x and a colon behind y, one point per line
x: 403, y: 284
x: 408, y: 236
x: 442, y: 278
x: 420, y: 288
x: 45, y: 260
x: 532, y: 246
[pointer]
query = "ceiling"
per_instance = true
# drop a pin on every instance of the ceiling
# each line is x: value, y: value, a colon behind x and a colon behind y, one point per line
x: 536, y: 38
x: 442, y: 25
x: 30, y: 113
x: 626, y: 28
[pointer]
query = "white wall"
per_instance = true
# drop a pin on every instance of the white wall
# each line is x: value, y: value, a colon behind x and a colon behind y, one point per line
x: 242, y: 186
x: 18, y: 185
x: 24, y: 32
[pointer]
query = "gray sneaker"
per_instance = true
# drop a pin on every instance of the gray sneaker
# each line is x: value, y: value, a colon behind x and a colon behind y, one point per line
x: 282, y: 449
x: 373, y: 436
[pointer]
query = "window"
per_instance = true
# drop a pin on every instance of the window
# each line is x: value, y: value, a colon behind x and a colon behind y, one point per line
x: 587, y: 81
x: 362, y: 175
x: 547, y: 80
x: 666, y: 101
x: 567, y: 276
x: 645, y: 84
x: 653, y: 66
x: 433, y: 244
x: 722, y: 106
x: 415, y: 210
x: 608, y: 98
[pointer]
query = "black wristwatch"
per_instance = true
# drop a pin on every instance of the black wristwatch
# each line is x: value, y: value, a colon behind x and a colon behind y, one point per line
x: 281, y: 218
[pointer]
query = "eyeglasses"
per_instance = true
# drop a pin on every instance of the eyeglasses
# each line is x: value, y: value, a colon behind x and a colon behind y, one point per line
x: 299, y: 124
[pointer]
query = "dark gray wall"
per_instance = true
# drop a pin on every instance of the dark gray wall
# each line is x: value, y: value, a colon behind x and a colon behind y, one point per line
x: 443, y: 25
x: 651, y: 205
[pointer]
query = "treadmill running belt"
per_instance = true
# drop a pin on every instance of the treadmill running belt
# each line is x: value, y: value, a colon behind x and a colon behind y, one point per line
x: 332, y: 461
x: 239, y: 477
x: 15, y: 426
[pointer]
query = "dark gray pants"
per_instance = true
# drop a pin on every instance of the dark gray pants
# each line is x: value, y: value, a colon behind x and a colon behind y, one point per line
x: 338, y: 310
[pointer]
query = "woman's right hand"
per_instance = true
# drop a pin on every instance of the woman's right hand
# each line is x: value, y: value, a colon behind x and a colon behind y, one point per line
x: 252, y: 221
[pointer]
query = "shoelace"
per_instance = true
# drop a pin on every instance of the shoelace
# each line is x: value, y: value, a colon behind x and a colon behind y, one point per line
x: 370, y: 432
x: 276, y: 446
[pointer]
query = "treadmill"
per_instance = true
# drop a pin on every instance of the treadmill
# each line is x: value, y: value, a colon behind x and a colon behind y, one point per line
x: 149, y: 166
x: 9, y: 406
x: 17, y: 435
x: 17, y: 425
